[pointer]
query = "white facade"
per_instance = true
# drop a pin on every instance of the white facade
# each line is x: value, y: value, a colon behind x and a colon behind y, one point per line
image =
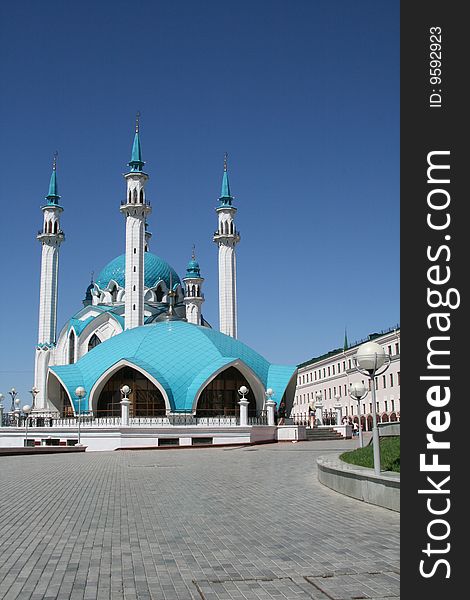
x: 331, y: 375
x: 193, y: 299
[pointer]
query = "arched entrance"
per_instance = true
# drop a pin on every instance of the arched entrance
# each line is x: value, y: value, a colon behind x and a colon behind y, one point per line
x: 220, y: 396
x: 146, y: 399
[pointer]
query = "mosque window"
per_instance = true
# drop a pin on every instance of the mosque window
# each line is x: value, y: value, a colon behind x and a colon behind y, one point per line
x: 129, y: 196
x: 159, y: 294
x: 71, y: 347
x: 142, y: 196
x: 113, y: 292
x: 135, y: 196
x: 94, y: 341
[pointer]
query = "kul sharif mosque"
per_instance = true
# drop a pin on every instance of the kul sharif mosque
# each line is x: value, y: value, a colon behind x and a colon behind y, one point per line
x: 142, y: 325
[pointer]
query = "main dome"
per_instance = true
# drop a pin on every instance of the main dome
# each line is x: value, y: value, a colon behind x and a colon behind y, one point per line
x: 155, y: 269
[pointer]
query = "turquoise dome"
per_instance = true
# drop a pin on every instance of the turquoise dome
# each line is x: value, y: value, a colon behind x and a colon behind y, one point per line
x: 179, y: 355
x: 193, y: 269
x: 155, y: 269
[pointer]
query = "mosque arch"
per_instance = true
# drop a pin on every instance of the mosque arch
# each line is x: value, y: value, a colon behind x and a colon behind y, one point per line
x: 159, y: 294
x: 146, y: 399
x: 219, y: 392
x: 108, y: 374
x: 58, y: 395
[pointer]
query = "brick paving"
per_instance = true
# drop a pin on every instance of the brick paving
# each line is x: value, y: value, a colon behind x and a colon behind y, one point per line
x: 201, y: 524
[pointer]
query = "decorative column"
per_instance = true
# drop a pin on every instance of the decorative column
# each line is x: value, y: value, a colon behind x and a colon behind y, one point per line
x: 50, y: 238
x: 227, y: 237
x: 136, y: 209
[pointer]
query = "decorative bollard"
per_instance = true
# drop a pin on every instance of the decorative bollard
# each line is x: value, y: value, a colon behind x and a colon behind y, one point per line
x: 243, y: 403
x: 125, y: 402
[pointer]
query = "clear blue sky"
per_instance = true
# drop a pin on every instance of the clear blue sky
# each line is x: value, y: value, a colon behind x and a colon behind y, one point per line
x: 304, y: 96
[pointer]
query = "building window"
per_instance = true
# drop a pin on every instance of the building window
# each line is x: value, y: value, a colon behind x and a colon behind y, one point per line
x: 376, y: 384
x: 390, y: 350
x: 94, y: 341
x: 393, y: 405
x: 329, y: 371
x: 363, y: 409
x: 329, y: 393
x: 333, y: 367
x: 397, y: 348
x: 334, y: 391
x: 344, y: 365
x: 398, y: 375
x: 345, y: 392
x: 384, y: 381
x: 391, y: 379
x: 71, y: 347
x: 349, y: 363
x: 385, y: 405
x: 315, y: 375
x: 324, y: 372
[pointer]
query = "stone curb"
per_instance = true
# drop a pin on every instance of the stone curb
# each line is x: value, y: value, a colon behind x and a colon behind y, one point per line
x: 359, y: 482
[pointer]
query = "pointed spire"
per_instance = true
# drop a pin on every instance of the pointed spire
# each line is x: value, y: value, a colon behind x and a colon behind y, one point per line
x: 225, y: 196
x: 136, y: 163
x: 53, y: 194
x: 345, y: 344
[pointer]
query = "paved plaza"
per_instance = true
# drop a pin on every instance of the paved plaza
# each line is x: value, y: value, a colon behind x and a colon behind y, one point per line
x: 202, y: 524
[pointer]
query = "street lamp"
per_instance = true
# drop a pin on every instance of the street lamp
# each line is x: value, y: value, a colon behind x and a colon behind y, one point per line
x: 358, y: 391
x: 1, y: 409
x: 26, y: 411
x: 34, y: 392
x: 80, y: 392
x: 17, y: 411
x: 372, y: 361
x: 13, y: 393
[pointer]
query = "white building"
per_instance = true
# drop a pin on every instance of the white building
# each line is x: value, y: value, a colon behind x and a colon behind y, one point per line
x: 324, y: 381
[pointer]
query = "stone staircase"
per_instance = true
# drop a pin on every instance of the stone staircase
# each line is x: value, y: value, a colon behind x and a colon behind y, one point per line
x: 320, y: 435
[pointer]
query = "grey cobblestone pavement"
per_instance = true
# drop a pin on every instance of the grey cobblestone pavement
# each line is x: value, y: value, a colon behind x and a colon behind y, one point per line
x: 202, y: 524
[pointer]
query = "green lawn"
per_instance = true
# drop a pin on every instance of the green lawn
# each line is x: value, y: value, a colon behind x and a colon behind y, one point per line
x: 389, y: 455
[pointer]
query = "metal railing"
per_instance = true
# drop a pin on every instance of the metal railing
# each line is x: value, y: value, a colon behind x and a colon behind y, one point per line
x: 87, y: 420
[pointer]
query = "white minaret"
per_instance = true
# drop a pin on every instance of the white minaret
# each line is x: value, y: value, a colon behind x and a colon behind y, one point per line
x: 50, y: 237
x: 227, y: 237
x: 193, y: 296
x: 136, y: 209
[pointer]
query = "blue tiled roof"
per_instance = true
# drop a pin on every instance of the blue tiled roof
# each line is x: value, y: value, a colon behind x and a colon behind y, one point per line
x: 80, y: 324
x: 179, y: 355
x: 155, y: 269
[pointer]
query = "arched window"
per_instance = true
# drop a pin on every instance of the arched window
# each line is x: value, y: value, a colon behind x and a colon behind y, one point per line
x: 231, y: 227
x: 220, y: 396
x: 114, y: 292
x: 94, y: 341
x: 142, y: 196
x: 71, y: 347
x: 129, y: 196
x: 146, y: 399
x: 159, y: 294
x: 56, y: 227
x: 135, y: 196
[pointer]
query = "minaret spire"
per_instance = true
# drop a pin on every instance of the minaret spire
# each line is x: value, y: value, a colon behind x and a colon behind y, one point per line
x: 227, y: 237
x: 193, y: 296
x: 51, y: 236
x: 136, y: 209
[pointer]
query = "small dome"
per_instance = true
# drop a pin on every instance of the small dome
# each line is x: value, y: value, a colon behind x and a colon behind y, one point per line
x: 193, y: 269
x: 155, y: 269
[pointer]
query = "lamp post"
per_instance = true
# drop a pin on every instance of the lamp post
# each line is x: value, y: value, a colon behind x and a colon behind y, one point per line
x: 338, y: 409
x: 372, y: 361
x: 17, y: 411
x: 1, y: 409
x: 26, y: 411
x: 243, y: 406
x: 13, y: 393
x: 34, y: 392
x: 358, y: 391
x: 80, y: 392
